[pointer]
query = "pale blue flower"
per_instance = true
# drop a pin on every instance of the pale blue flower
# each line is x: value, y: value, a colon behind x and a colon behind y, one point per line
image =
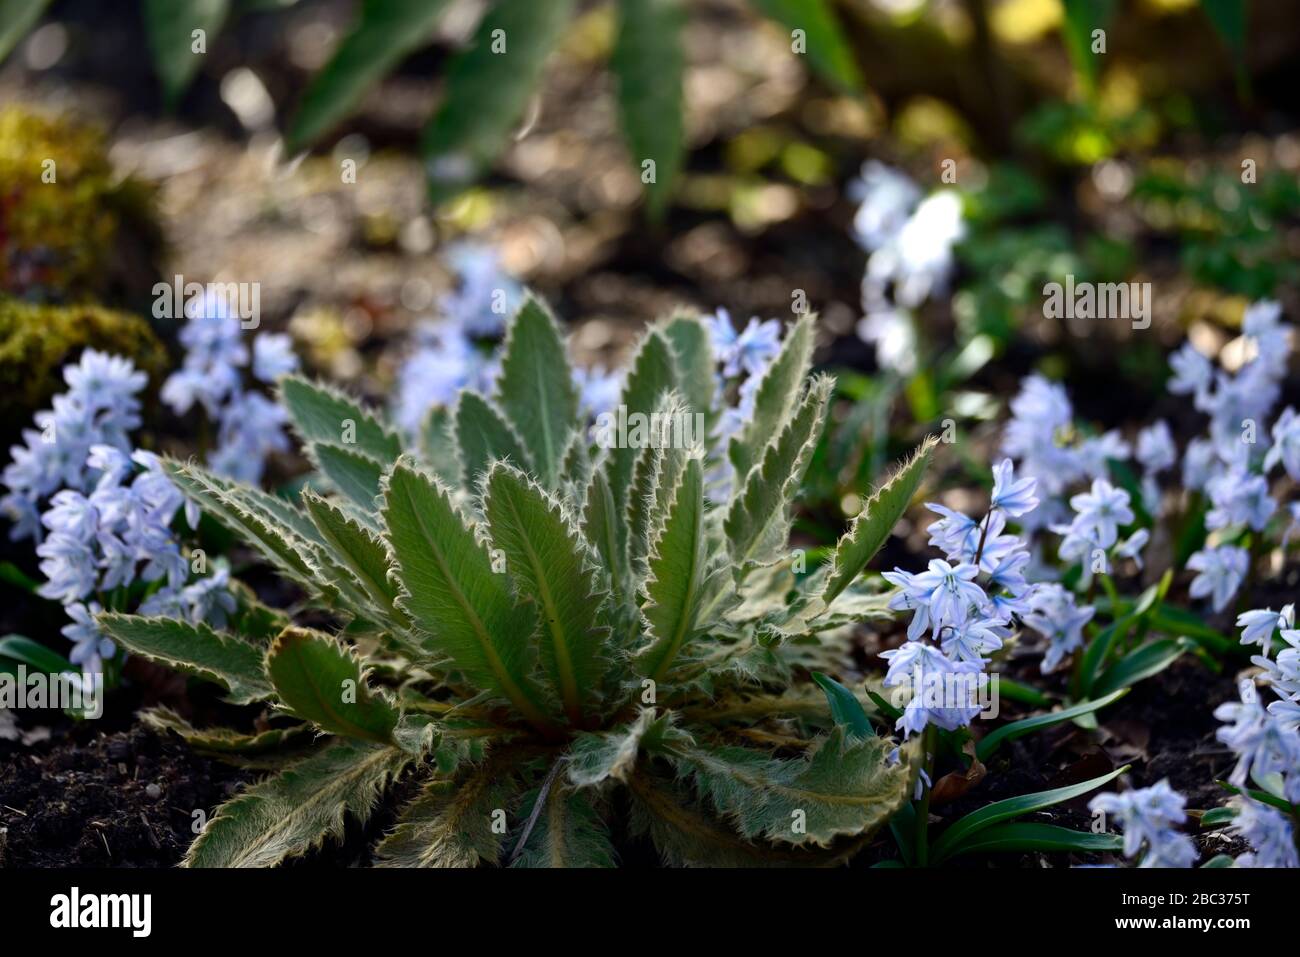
x: 1221, y: 572
x: 1193, y: 372
x: 1148, y: 817
x: 273, y: 356
x: 89, y: 644
x: 1011, y: 496
x: 1100, y: 513
x: 1155, y: 448
x: 1239, y: 498
x: 1257, y: 626
x: 1286, y: 444
x: 1054, y: 615
x: 1268, y: 831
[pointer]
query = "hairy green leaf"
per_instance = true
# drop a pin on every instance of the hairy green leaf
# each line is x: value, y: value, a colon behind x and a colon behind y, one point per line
x: 758, y: 520
x: 321, y: 413
x: 484, y: 435
x: 194, y: 649
x: 358, y: 548
x: 677, y: 568
x: 872, y: 526
x: 775, y: 398
x: 536, y: 389
x: 320, y: 680
x: 450, y: 823
x: 226, y: 742
x: 356, y: 475
x: 597, y: 757
x: 294, y: 811
x: 451, y: 591
x: 843, y: 787
x: 568, y: 832
x: 547, y: 555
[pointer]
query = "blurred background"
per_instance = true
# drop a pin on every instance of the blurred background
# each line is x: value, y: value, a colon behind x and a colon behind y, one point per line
x: 1170, y: 154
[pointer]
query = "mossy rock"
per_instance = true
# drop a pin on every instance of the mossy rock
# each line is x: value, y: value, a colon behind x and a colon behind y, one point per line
x: 85, y: 236
x: 36, y: 341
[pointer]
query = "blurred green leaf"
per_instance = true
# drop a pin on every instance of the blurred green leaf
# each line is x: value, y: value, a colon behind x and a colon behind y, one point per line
x: 25, y: 651
x: 1082, y: 17
x: 1143, y: 663
x: 385, y: 33
x: 827, y: 48
x: 649, y: 63
x: 171, y: 25
x: 16, y: 18
x: 488, y: 86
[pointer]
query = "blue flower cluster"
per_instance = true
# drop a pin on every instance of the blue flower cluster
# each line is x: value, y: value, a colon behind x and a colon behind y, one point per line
x: 966, y: 604
x: 1148, y: 817
x: 457, y: 350
x: 250, y: 426
x: 100, y: 512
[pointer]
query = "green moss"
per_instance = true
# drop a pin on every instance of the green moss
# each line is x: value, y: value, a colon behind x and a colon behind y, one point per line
x: 85, y: 236
x: 36, y: 341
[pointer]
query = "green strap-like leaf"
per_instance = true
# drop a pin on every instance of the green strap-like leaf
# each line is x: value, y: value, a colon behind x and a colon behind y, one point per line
x: 1021, y: 836
x: 483, y: 435
x: 451, y: 591
x: 450, y: 824
x: 536, y: 390
x: 170, y: 25
x: 548, y: 557
x: 488, y: 86
x: 950, y: 842
x: 758, y: 520
x: 1150, y: 659
x: 568, y: 832
x: 16, y: 18
x: 844, y: 787
x: 649, y: 63
x: 320, y: 680
x: 775, y: 398
x: 676, y: 573
x: 846, y: 709
x: 294, y: 811
x: 1009, y: 732
x: 194, y: 649
x: 872, y: 526
x: 25, y: 651
x: 825, y: 44
x: 386, y: 31
x: 321, y: 413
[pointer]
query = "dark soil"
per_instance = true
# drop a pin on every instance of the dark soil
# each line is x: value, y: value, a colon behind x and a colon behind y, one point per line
x: 125, y: 799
